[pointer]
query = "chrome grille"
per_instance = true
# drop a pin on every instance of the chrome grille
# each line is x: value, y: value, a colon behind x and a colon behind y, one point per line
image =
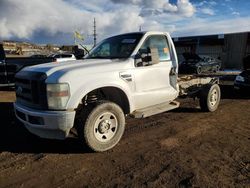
x: 31, y: 89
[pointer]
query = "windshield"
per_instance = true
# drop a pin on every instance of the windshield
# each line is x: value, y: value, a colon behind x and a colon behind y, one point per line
x: 116, y: 47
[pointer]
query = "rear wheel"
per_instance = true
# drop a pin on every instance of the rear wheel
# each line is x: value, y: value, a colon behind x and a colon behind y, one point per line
x: 210, y: 98
x: 102, y: 128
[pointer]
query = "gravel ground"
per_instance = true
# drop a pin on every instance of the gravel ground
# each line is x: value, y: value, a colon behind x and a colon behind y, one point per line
x: 181, y: 148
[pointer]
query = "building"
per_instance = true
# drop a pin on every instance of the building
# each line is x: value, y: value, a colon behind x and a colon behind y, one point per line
x: 230, y: 48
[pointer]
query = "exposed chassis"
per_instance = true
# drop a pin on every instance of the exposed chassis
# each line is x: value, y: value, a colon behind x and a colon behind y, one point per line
x: 191, y: 85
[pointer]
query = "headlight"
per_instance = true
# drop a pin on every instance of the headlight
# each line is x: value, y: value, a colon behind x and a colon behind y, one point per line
x: 58, y: 95
x: 240, y: 78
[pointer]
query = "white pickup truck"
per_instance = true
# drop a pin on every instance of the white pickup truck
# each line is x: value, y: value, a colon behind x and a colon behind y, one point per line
x: 132, y: 74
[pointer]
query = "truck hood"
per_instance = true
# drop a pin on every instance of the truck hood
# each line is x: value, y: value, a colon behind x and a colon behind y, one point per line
x: 79, y: 67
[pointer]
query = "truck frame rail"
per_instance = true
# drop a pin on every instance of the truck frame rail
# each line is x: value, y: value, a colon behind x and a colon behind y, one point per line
x: 191, y: 85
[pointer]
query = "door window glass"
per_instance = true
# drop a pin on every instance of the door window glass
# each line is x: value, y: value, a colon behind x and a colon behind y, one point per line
x: 159, y: 42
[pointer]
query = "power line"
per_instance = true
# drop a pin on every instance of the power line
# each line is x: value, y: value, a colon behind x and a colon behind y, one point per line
x: 94, y: 34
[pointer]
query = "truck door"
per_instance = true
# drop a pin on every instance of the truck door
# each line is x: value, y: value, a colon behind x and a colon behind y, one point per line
x: 154, y: 83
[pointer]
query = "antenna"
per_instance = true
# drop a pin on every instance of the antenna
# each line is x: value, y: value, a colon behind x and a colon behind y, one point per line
x: 94, y: 34
x: 140, y: 28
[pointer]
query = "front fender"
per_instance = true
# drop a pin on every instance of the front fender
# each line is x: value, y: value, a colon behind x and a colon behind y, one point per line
x: 83, y: 89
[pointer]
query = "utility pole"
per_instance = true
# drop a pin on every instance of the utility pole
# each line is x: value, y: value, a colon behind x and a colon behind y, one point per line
x: 94, y: 34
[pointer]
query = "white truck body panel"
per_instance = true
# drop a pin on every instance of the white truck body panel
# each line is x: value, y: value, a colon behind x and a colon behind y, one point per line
x: 150, y: 85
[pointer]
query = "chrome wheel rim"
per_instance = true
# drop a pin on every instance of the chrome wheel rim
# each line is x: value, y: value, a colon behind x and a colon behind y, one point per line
x: 105, y: 127
x: 214, y: 97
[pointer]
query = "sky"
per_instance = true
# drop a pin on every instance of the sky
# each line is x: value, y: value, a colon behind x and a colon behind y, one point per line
x: 54, y: 21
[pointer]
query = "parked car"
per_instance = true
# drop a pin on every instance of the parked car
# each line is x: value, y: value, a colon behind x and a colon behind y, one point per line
x: 194, y: 63
x: 38, y: 56
x: 61, y: 57
x: 242, y: 81
x: 9, y: 66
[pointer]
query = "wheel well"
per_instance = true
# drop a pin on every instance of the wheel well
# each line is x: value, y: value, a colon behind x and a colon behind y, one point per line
x: 112, y: 94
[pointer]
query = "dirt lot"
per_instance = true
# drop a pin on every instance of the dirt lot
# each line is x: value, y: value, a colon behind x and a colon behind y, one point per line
x: 182, y: 148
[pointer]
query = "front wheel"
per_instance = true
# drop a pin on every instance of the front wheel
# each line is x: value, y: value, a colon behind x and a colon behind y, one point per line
x: 210, y: 98
x: 103, y: 127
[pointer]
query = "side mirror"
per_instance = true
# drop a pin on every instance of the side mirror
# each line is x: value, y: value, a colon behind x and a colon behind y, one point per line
x: 146, y: 57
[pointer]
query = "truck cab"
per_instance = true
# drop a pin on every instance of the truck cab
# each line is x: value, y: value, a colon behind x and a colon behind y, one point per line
x: 130, y: 74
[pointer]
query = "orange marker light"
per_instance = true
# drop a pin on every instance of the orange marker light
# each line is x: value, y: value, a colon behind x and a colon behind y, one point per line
x: 59, y: 94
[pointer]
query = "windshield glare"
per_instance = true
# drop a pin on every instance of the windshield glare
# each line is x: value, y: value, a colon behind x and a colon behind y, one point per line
x: 116, y: 47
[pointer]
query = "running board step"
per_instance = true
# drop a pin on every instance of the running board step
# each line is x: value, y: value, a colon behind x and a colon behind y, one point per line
x: 156, y: 109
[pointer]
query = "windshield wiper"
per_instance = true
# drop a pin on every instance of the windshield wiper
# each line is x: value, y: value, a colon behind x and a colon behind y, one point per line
x: 98, y: 57
x: 117, y: 57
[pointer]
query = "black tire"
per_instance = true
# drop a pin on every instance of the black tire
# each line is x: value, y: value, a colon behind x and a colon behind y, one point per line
x: 210, y: 98
x: 101, y: 126
x: 198, y: 70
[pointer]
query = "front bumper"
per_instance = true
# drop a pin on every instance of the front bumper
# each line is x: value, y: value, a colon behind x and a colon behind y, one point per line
x: 46, y: 124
